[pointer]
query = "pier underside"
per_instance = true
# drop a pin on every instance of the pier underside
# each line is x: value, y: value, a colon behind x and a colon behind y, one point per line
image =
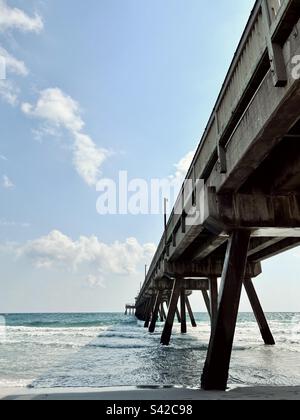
x: 247, y: 207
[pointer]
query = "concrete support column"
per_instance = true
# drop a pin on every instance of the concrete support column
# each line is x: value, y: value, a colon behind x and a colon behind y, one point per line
x: 167, y: 332
x: 259, y: 313
x: 162, y: 312
x: 183, y: 312
x: 149, y: 312
x: 216, y: 370
x: 178, y: 315
x: 213, y: 291
x: 156, y: 311
x: 206, y: 301
x: 190, y: 311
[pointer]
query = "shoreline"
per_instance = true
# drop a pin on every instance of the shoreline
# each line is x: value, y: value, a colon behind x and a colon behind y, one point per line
x: 151, y: 393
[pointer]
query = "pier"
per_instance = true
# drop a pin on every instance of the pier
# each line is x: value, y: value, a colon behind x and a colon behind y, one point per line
x: 130, y: 309
x: 246, y: 208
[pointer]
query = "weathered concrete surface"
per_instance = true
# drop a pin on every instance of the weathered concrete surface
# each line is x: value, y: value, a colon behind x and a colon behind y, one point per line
x: 257, y: 125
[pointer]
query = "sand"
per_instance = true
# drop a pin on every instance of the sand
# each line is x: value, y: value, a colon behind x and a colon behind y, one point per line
x: 148, y: 393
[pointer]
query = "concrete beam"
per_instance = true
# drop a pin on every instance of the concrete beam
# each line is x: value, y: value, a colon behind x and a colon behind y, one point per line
x: 257, y: 211
x: 186, y: 284
x: 261, y: 244
x: 282, y: 246
x: 208, y: 247
x: 204, y: 269
x: 275, y: 50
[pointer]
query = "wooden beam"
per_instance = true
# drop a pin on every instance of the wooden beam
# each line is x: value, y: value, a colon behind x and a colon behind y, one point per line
x: 259, y: 313
x: 216, y: 370
x: 167, y: 331
x: 190, y: 311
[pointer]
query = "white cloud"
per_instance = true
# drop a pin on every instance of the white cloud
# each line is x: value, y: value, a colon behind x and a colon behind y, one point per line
x: 95, y: 282
x: 89, y: 254
x: 7, y: 183
x: 9, y: 224
x: 13, y: 65
x: 61, y: 111
x: 183, y: 166
x: 88, y: 159
x: 9, y: 92
x: 14, y: 18
x: 2, y: 157
x: 57, y: 108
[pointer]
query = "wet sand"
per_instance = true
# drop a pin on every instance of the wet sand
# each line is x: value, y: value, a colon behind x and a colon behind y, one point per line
x: 156, y: 394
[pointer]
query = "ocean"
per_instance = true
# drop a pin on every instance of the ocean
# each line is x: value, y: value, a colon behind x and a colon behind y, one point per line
x: 97, y: 350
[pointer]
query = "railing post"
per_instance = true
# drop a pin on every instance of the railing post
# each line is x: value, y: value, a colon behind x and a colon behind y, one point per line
x: 278, y: 66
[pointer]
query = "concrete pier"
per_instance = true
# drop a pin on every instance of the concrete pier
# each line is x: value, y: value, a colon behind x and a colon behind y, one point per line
x: 244, y: 206
x: 130, y: 310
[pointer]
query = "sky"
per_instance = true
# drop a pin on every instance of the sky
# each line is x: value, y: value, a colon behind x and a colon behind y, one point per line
x: 94, y: 88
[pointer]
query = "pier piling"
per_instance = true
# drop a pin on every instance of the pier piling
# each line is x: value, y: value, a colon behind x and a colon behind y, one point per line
x: 190, y: 311
x: 206, y: 301
x: 183, y: 311
x: 155, y: 311
x: 259, y: 313
x: 149, y: 312
x: 216, y: 369
x: 167, y: 331
x: 213, y: 290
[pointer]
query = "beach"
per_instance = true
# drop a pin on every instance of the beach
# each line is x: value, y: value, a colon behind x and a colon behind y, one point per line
x: 150, y: 394
x: 112, y: 357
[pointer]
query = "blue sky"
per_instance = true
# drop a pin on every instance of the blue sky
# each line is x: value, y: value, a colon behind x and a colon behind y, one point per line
x: 94, y: 88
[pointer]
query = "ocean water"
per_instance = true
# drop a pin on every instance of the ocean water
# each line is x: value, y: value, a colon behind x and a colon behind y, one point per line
x: 95, y: 350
